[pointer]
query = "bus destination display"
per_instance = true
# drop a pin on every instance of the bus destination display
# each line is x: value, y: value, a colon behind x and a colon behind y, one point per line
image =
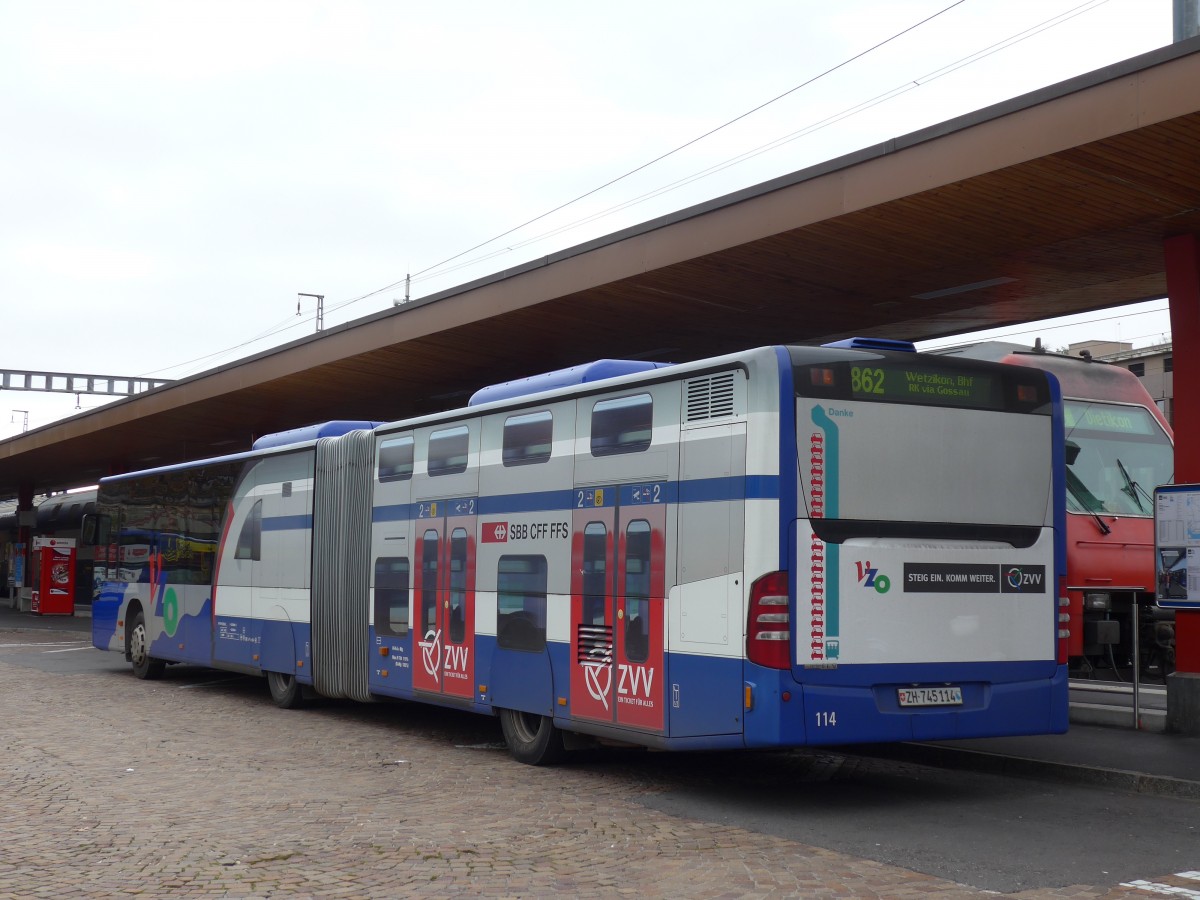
x: 925, y: 385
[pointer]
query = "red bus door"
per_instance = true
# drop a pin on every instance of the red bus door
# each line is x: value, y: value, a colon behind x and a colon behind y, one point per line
x: 617, y: 605
x: 444, y: 588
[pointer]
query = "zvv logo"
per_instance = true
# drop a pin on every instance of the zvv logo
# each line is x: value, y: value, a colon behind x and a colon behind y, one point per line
x: 456, y: 658
x: 431, y: 652
x: 636, y: 680
x: 1024, y: 579
x: 593, y: 671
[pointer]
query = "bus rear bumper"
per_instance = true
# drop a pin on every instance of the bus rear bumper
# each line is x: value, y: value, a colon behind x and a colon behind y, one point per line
x: 791, y: 714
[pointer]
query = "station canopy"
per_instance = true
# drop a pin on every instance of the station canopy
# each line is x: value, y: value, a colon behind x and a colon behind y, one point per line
x: 1053, y: 203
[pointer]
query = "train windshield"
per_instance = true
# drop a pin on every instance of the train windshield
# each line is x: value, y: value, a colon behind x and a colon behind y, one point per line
x: 1116, y: 456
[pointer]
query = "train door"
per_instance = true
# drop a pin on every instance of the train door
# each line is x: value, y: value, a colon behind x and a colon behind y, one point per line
x: 444, y: 588
x: 617, y: 604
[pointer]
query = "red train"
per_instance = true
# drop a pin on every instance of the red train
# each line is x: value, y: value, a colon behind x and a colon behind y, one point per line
x: 1118, y: 449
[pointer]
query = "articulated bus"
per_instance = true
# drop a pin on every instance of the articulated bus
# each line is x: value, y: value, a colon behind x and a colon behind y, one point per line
x: 1118, y: 449
x: 787, y: 546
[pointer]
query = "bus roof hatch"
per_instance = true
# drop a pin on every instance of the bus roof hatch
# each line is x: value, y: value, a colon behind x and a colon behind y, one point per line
x: 871, y: 343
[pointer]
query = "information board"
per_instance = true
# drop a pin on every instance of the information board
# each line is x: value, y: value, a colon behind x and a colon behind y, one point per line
x: 1177, y: 545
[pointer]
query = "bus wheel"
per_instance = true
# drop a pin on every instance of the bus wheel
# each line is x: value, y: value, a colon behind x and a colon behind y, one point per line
x: 286, y: 691
x: 144, y: 665
x: 532, y: 739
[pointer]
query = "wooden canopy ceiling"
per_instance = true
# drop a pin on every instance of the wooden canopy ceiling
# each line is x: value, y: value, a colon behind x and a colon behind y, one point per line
x: 1053, y: 203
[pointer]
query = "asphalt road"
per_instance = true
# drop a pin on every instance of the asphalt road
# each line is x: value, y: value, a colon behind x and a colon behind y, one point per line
x: 998, y: 833
x: 886, y: 821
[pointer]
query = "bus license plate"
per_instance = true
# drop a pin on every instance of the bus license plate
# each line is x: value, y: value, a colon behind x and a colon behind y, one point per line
x: 950, y: 695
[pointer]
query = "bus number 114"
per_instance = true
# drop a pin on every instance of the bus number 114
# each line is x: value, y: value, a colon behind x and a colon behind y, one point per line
x: 826, y: 719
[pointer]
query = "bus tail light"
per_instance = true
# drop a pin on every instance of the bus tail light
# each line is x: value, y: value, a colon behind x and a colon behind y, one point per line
x: 1064, y: 621
x: 768, y: 635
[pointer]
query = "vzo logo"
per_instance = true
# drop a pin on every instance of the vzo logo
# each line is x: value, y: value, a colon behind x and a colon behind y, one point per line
x: 869, y: 577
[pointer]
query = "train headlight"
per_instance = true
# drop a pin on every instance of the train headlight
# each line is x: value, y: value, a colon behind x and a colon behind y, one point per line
x: 1097, y: 602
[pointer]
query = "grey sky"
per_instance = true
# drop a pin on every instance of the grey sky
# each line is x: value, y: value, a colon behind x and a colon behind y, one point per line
x: 173, y: 174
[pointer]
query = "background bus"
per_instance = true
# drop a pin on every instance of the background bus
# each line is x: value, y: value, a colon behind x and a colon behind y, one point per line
x: 787, y: 546
x: 1118, y: 448
x: 60, y: 516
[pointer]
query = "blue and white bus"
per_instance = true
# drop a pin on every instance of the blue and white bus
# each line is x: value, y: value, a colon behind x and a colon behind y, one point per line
x: 782, y: 547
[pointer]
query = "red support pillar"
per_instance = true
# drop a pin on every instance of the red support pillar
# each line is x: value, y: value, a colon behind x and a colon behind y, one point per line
x: 1183, y: 286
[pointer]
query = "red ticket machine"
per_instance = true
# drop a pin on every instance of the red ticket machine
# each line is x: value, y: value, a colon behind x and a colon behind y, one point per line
x: 54, y: 592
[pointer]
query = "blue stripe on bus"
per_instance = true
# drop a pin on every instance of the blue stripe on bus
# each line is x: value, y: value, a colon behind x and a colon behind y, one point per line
x: 531, y: 502
x: 286, y: 523
x: 704, y: 490
x: 393, y: 512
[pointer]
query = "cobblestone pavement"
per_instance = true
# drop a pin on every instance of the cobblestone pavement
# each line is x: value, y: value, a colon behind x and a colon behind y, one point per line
x: 189, y: 788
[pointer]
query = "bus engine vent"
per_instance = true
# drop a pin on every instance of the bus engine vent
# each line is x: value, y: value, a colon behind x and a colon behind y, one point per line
x: 710, y: 397
x: 595, y: 644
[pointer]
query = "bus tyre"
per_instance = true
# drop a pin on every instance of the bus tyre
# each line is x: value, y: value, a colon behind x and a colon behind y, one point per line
x: 286, y: 691
x: 144, y: 666
x: 532, y: 739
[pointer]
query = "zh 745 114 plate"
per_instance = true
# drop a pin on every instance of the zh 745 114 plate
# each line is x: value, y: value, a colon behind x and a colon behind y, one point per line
x: 946, y: 695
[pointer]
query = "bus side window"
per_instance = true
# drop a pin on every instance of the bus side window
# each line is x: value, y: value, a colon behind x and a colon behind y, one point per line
x: 396, y: 459
x: 391, y: 595
x: 429, y: 582
x: 448, y: 451
x: 528, y: 438
x: 249, y: 545
x: 595, y: 574
x: 637, y: 591
x: 623, y: 425
x: 458, y: 585
x: 521, y: 603
x: 95, y: 530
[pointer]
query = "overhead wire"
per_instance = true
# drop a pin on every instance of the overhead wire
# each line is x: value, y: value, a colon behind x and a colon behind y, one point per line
x: 707, y: 134
x: 781, y: 141
x: 430, y: 269
x: 278, y: 328
x: 1043, y: 328
x: 663, y: 156
x: 441, y: 268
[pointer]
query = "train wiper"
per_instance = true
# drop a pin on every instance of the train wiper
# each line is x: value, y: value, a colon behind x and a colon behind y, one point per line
x: 1132, y: 488
x: 1082, y: 495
